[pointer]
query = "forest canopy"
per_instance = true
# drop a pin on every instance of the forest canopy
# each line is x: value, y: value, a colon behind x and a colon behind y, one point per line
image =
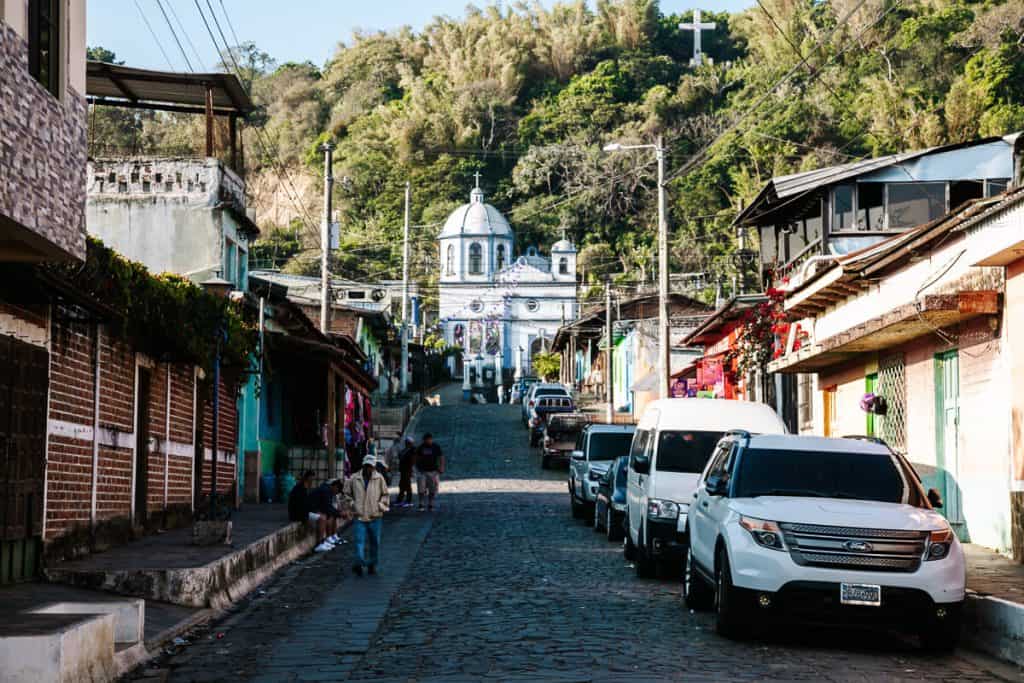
x: 528, y: 95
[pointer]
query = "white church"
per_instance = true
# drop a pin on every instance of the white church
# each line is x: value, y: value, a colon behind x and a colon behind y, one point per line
x: 497, y: 307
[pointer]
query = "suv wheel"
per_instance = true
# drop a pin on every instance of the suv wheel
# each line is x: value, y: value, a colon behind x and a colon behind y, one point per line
x: 577, y: 507
x: 545, y: 463
x: 942, y: 635
x: 628, y: 549
x: 728, y: 621
x: 646, y: 567
x: 612, y: 531
x: 597, y: 519
x: 696, y: 591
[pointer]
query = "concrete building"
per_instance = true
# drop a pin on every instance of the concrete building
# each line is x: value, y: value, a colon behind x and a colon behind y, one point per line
x: 917, y: 320
x: 497, y: 307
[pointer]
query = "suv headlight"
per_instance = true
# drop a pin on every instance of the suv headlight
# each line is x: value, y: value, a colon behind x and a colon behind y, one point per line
x: 662, y: 509
x: 766, y: 534
x: 939, y: 543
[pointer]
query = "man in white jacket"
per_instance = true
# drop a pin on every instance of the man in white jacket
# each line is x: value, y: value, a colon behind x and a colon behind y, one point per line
x: 366, y: 496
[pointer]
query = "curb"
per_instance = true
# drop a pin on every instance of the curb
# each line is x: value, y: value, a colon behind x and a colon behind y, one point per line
x: 994, y: 626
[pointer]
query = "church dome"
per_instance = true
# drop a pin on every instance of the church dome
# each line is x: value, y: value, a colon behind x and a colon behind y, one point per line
x: 563, y: 245
x: 476, y: 218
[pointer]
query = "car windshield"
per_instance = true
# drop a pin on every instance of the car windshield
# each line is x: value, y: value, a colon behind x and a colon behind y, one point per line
x: 685, y: 451
x: 609, y: 446
x: 857, y: 476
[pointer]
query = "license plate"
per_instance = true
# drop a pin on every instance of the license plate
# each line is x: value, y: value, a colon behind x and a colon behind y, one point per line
x: 860, y: 594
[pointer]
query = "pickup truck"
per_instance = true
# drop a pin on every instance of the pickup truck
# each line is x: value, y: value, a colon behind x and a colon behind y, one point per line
x: 560, y: 436
x: 544, y: 406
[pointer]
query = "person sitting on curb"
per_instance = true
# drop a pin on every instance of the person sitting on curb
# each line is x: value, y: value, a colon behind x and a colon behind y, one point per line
x: 321, y: 501
x: 300, y: 510
x: 366, y: 495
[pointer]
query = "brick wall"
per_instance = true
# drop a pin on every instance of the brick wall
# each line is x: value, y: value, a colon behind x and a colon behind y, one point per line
x: 71, y: 435
x: 69, y: 448
x: 44, y: 161
x: 227, y: 439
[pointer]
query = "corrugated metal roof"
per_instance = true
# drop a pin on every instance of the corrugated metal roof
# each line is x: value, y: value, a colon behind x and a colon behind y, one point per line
x: 113, y: 82
x: 785, y: 187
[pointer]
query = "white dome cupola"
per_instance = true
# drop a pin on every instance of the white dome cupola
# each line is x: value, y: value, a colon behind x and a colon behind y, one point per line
x: 476, y: 241
x: 563, y: 259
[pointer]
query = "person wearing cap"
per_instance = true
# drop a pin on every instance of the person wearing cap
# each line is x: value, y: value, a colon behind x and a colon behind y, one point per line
x: 366, y: 495
x: 406, y: 463
x: 321, y: 502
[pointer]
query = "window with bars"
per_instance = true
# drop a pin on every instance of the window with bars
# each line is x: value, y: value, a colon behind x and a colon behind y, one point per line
x: 805, y: 398
x: 44, y: 43
x: 892, y: 384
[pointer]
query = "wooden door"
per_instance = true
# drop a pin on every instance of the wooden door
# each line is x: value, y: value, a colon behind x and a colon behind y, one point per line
x: 24, y: 380
x: 947, y: 431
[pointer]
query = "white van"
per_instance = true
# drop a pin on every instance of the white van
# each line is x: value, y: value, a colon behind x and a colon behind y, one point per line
x: 672, y: 443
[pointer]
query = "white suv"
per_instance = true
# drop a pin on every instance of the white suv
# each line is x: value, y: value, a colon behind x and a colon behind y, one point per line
x: 838, y: 531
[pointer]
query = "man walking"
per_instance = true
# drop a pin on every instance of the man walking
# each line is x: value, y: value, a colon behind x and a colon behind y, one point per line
x: 406, y: 463
x: 429, y: 468
x: 366, y: 495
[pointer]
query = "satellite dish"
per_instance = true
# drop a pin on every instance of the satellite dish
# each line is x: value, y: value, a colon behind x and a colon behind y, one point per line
x: 378, y: 294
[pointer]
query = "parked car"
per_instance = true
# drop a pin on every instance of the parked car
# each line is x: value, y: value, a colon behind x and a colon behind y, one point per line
x: 672, y: 444
x: 536, y: 391
x: 561, y: 434
x: 598, y: 446
x: 610, y: 503
x: 542, y: 408
x: 835, y: 530
x: 520, y: 387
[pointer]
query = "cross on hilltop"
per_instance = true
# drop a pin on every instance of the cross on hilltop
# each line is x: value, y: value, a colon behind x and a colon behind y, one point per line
x: 696, y: 26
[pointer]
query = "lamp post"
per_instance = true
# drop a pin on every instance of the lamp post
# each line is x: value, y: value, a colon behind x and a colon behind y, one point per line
x: 664, y: 353
x: 220, y: 288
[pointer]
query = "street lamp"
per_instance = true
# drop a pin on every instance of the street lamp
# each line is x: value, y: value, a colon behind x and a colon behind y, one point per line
x: 664, y: 352
x: 220, y: 288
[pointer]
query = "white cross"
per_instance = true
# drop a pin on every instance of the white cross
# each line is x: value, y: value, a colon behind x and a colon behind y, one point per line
x: 697, y: 27
x: 477, y: 176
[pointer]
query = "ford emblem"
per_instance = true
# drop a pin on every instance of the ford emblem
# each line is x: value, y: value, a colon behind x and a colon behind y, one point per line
x: 858, y: 546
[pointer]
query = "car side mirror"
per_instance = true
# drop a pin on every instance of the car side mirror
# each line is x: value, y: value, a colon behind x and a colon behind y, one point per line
x: 641, y: 464
x: 935, y: 498
x: 577, y: 455
x: 717, y: 485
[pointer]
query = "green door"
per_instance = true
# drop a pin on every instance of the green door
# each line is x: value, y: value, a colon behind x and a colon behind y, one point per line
x: 870, y: 384
x: 947, y: 424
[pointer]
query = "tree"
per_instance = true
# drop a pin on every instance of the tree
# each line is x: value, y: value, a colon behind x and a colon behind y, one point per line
x: 546, y: 364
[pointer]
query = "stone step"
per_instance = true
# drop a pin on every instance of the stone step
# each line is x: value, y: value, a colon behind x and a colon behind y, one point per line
x: 63, y: 648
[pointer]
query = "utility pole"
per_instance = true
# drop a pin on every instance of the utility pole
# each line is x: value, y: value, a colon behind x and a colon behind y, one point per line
x: 608, y: 349
x: 405, y: 291
x: 325, y: 239
x: 664, y: 352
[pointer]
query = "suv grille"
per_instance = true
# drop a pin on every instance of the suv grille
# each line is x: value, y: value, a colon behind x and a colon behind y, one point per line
x: 882, y: 550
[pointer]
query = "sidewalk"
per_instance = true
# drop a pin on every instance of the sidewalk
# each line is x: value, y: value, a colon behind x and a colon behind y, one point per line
x: 994, y: 613
x: 168, y: 568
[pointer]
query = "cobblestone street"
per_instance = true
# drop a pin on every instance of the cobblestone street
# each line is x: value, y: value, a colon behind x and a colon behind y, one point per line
x: 501, y: 584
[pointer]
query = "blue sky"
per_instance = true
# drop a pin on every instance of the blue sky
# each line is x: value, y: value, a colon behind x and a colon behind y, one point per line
x: 293, y: 30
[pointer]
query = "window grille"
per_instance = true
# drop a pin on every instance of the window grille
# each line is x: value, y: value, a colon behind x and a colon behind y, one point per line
x: 805, y: 396
x: 892, y: 384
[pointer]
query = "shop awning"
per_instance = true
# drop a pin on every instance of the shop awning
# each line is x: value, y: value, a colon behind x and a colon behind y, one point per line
x: 901, y: 324
x: 648, y: 382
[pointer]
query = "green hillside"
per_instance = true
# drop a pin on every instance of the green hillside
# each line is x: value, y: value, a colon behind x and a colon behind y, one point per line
x: 528, y: 96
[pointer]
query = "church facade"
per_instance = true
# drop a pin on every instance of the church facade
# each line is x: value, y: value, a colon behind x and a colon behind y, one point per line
x: 498, y: 307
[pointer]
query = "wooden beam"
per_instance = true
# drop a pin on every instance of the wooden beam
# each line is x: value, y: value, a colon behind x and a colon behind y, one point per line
x: 209, y: 120
x: 233, y: 133
x: 153, y: 106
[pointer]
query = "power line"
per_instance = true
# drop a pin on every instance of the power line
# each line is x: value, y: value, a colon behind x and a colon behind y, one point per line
x: 153, y: 33
x: 188, y: 39
x: 174, y: 34
x: 230, y: 25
